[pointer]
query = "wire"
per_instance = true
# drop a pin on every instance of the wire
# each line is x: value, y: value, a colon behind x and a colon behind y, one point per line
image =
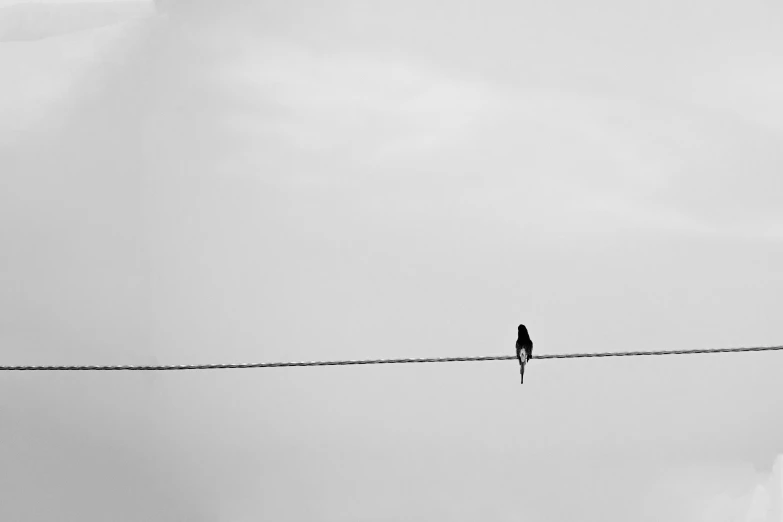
x: 379, y: 361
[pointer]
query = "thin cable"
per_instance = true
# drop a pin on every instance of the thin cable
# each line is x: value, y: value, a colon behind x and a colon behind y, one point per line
x: 174, y: 367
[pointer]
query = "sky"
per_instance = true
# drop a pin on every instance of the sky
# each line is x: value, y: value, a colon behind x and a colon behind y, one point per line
x: 242, y: 182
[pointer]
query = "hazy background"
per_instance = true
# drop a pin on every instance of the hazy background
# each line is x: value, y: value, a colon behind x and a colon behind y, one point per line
x: 238, y: 182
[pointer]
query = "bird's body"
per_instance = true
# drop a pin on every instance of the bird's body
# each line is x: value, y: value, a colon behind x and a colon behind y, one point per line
x: 524, y: 346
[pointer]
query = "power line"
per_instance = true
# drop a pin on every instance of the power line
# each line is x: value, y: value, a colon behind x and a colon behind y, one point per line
x: 174, y: 367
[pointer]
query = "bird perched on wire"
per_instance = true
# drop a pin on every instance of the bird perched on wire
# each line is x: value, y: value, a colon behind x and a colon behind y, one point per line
x: 524, y: 350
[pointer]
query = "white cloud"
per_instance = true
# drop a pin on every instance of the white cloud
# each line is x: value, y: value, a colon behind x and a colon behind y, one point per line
x: 378, y: 108
x: 246, y: 263
x: 40, y: 76
x: 660, y: 163
x: 39, y: 20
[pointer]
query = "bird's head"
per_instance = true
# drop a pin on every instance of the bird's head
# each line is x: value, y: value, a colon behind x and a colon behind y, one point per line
x: 522, y: 329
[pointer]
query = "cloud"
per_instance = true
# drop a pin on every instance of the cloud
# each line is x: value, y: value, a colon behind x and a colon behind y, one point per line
x: 37, y: 21
x: 212, y: 194
x: 715, y: 493
x: 659, y: 163
x: 374, y: 108
x: 45, y: 77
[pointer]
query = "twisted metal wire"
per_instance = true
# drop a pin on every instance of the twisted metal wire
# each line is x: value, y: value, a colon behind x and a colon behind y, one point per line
x: 174, y: 367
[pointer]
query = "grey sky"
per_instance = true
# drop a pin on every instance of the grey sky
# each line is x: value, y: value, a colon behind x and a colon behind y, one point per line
x: 249, y: 183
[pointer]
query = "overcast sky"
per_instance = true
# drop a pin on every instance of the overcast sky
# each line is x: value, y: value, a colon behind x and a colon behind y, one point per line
x: 242, y: 183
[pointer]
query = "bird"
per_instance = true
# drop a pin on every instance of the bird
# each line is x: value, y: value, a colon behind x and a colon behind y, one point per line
x: 523, y: 344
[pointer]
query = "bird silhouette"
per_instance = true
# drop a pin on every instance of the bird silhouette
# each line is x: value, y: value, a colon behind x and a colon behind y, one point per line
x: 524, y: 344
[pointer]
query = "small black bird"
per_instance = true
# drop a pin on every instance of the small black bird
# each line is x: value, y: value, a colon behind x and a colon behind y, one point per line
x: 523, y: 343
